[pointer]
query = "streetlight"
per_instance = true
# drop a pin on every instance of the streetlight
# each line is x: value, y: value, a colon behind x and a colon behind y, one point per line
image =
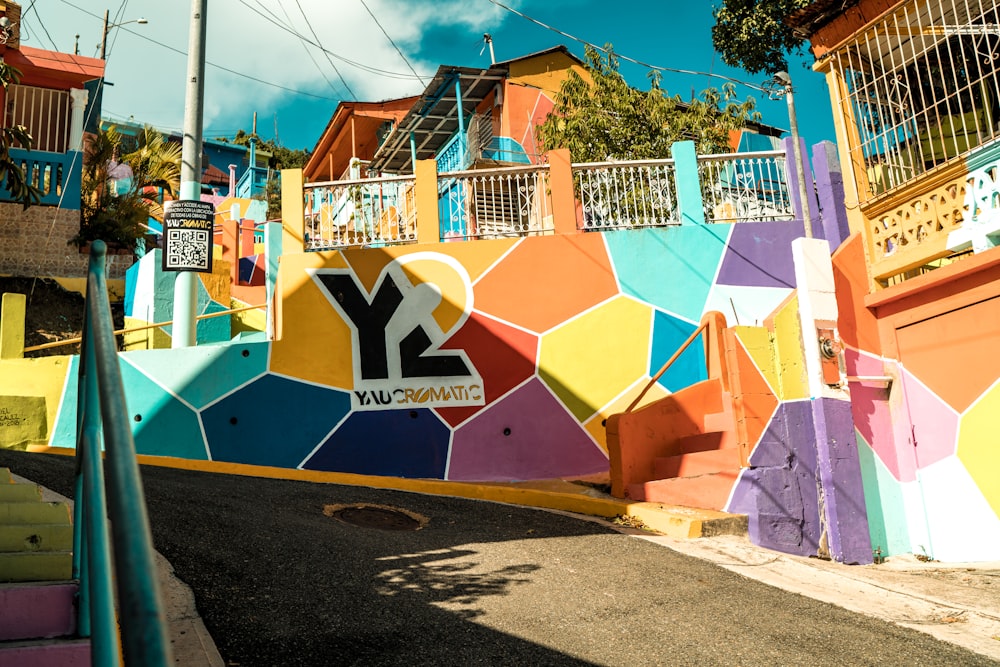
x: 104, y: 35
x: 785, y: 83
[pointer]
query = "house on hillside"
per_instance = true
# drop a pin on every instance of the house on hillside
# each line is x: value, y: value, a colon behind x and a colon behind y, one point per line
x: 351, y: 138
x: 479, y: 127
x: 53, y: 100
x: 915, y: 89
x: 227, y: 169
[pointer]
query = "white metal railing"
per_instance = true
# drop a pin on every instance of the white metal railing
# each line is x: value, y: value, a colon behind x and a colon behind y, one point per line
x: 360, y: 213
x: 495, y: 203
x: 44, y: 111
x: 922, y: 84
x: 356, y: 169
x: 623, y: 195
x: 745, y: 187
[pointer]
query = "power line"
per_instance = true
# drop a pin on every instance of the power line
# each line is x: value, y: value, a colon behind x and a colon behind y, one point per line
x: 31, y: 7
x: 306, y: 49
x: 623, y: 57
x: 361, y: 66
x: 365, y: 5
x: 325, y: 52
x: 221, y: 67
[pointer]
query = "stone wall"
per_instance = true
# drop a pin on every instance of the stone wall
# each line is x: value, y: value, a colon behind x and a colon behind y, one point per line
x: 34, y: 243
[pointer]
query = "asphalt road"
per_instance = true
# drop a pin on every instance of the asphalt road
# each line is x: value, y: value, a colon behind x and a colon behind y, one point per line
x: 278, y: 582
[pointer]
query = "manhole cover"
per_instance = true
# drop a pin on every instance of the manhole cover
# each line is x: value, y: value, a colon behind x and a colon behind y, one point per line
x: 376, y: 516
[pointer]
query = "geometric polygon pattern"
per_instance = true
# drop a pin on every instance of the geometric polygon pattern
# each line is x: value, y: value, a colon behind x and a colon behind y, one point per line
x: 163, y: 424
x: 789, y: 364
x: 977, y: 445
x: 885, y: 501
x: 200, y: 375
x: 745, y: 305
x: 669, y: 333
x: 780, y: 488
x: 933, y: 423
x: 504, y: 442
x: 755, y: 400
x: 503, y: 355
x: 760, y: 255
x: 273, y: 421
x: 596, y: 425
x: 318, y: 346
x: 397, y: 443
x: 959, y: 337
x: 547, y: 281
x: 961, y: 523
x: 596, y: 356
x: 673, y: 268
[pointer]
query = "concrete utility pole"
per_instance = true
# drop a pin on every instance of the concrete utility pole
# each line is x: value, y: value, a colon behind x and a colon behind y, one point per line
x: 186, y: 282
x: 104, y: 33
x: 786, y: 82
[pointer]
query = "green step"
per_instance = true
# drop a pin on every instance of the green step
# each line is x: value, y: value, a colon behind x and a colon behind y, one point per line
x: 20, y: 493
x: 36, y: 537
x: 5, y: 476
x: 36, y: 566
x: 20, y: 513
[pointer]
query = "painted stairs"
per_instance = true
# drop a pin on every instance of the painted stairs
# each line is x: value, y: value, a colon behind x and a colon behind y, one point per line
x: 37, y: 595
x: 687, y: 448
x: 679, y: 450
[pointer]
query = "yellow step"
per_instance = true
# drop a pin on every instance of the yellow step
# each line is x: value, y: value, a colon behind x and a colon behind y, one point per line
x: 36, y: 537
x: 20, y: 493
x: 40, y: 512
x: 5, y: 476
x: 36, y: 566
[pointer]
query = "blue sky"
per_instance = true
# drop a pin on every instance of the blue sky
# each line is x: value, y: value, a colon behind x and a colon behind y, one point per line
x: 258, y: 65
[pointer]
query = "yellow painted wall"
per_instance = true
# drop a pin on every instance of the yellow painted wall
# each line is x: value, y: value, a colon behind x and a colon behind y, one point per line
x: 546, y: 71
x: 44, y: 376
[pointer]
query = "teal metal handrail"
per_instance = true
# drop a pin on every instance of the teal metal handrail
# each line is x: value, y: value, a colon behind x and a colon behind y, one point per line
x: 102, y: 415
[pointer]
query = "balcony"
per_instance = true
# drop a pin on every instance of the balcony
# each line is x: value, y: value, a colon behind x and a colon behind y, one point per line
x: 56, y: 175
x: 252, y: 182
x: 550, y: 198
x: 918, y: 91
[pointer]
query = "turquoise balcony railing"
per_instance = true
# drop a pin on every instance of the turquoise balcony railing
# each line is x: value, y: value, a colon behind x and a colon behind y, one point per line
x: 56, y: 175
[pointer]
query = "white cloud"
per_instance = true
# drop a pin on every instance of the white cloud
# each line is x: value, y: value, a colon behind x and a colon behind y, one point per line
x: 149, y: 79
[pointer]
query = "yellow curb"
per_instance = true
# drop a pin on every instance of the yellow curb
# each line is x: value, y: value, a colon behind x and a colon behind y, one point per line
x: 680, y: 522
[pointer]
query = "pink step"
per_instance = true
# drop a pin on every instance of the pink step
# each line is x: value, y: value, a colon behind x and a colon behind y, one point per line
x: 36, y: 611
x: 705, y: 491
x: 697, y: 463
x: 46, y: 653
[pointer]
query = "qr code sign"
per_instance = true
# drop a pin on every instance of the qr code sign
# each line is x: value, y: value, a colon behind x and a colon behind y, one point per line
x: 188, y: 249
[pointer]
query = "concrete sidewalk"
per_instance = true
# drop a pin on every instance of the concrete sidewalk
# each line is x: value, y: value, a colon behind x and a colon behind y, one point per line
x: 954, y: 602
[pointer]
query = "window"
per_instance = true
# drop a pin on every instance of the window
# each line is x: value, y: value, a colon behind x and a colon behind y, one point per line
x: 922, y: 84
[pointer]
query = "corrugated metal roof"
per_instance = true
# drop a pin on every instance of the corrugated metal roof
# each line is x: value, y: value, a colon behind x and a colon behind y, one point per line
x: 434, y: 117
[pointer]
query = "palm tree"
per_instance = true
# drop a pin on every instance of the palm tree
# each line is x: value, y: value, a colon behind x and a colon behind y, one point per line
x: 121, y: 218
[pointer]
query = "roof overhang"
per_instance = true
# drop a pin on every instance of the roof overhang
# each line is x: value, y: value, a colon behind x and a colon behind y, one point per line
x: 434, y: 118
x: 40, y: 67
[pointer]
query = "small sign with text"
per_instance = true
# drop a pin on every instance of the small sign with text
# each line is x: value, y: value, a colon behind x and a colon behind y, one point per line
x: 187, y: 236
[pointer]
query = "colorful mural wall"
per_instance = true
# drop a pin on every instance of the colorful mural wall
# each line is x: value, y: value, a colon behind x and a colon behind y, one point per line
x: 474, y: 361
x: 501, y: 360
x: 925, y: 395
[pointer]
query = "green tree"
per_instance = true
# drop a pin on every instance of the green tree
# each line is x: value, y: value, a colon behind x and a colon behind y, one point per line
x: 11, y: 173
x: 606, y: 118
x: 121, y: 218
x: 752, y: 34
